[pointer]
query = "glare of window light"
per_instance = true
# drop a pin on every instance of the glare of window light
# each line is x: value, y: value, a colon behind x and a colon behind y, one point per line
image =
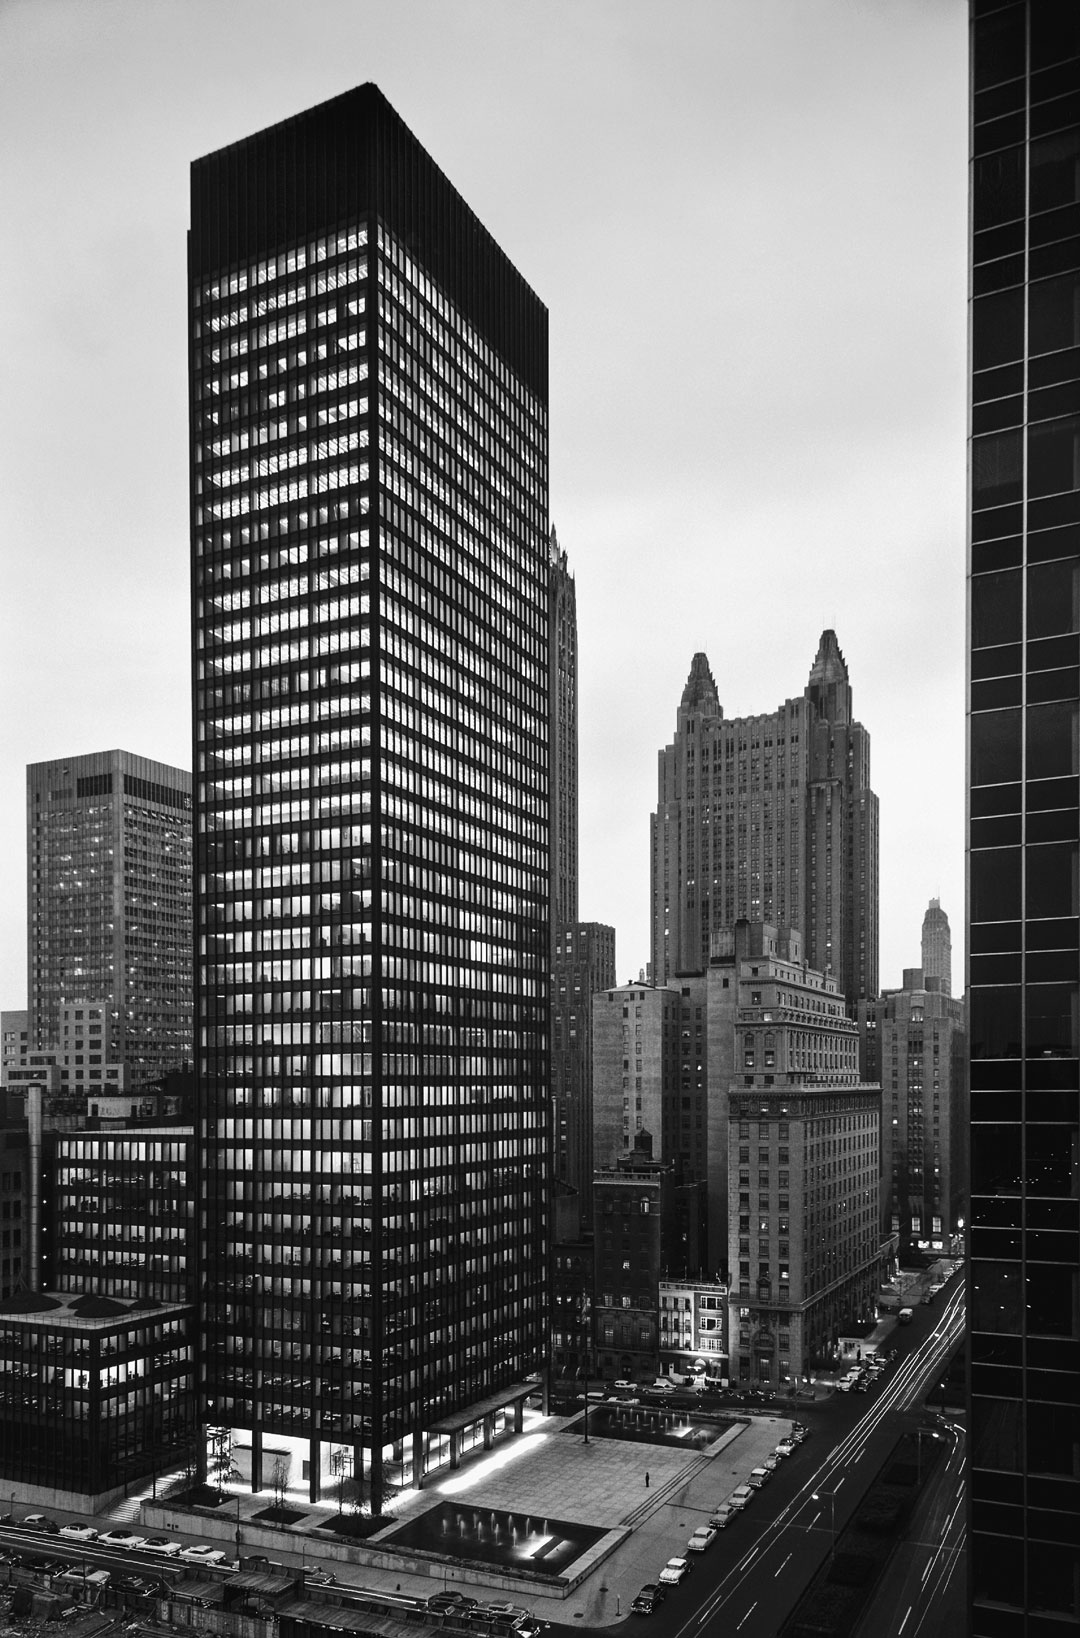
x: 484, y: 1470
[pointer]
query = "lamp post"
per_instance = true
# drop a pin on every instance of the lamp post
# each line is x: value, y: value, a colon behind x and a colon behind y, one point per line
x: 238, y: 1537
x: 821, y: 1496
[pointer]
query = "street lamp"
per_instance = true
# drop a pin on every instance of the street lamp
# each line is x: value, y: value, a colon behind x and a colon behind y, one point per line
x: 238, y: 1537
x: 831, y: 1495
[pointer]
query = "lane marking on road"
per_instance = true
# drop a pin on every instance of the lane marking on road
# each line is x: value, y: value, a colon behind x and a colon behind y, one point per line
x: 786, y: 1561
x: 747, y: 1616
x: 904, y: 1622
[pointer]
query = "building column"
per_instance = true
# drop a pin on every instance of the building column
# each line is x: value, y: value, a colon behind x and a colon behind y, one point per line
x: 489, y: 1430
x: 519, y: 1413
x: 256, y: 1459
x: 419, y: 1444
x: 455, y: 1449
x: 314, y: 1470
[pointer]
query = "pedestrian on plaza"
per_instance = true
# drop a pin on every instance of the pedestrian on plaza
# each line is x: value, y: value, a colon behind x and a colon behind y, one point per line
x: 646, y: 1481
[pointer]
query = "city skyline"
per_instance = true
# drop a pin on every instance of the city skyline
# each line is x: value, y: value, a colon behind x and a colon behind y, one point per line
x: 853, y: 366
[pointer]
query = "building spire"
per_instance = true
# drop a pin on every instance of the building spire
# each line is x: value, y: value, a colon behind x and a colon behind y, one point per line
x: 699, y: 697
x: 829, y: 689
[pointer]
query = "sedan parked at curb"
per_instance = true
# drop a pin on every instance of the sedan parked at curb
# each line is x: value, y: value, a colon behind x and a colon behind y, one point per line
x: 162, y: 1545
x: 723, y: 1516
x: 649, y: 1599
x: 121, y: 1538
x: 203, y: 1555
x: 703, y: 1537
x: 78, y: 1532
x: 674, y: 1571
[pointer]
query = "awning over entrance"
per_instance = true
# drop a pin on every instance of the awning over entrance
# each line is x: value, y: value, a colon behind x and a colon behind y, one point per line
x: 516, y: 1394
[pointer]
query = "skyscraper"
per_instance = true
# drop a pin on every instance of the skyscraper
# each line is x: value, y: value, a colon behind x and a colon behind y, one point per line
x: 937, y: 946
x: 1024, y: 823
x: 564, y: 741
x: 768, y: 819
x: 109, y: 907
x: 371, y: 581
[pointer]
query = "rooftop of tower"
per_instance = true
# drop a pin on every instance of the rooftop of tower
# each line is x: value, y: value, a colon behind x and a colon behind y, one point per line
x: 829, y: 686
x: 700, y: 691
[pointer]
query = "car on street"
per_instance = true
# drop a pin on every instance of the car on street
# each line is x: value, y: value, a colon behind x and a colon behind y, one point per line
x: 723, y: 1516
x: 78, y: 1532
x: 163, y: 1546
x: 203, y: 1555
x: 39, y: 1521
x: 741, y: 1497
x: 649, y: 1599
x: 786, y: 1447
x: 85, y: 1578
x: 623, y: 1384
x: 799, y: 1432
x: 327, y: 1578
x: 674, y: 1571
x: 126, y: 1539
x: 662, y: 1385
x: 771, y: 1462
x: 758, y: 1478
x: 703, y: 1537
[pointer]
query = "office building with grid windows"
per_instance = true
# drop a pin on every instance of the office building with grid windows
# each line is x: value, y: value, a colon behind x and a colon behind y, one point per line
x: 109, y: 915
x: 768, y: 818
x: 1024, y: 819
x: 371, y: 578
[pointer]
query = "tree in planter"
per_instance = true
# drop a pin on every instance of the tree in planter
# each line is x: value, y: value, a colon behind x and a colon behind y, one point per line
x: 279, y: 1481
x: 222, y: 1470
x: 341, y: 1465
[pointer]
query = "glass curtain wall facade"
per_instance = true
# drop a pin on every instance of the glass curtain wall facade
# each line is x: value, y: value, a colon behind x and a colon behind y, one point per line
x: 370, y: 549
x: 1024, y: 1323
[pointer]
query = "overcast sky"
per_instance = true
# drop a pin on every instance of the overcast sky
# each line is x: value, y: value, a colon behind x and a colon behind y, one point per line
x: 747, y: 219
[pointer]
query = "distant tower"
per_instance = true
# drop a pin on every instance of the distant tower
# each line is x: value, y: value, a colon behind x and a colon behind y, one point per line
x: 937, y: 946
x: 771, y: 819
x: 109, y: 904
x: 562, y: 665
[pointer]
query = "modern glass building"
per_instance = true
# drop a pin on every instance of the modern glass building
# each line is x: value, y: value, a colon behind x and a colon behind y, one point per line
x: 1024, y: 933
x: 370, y: 578
x: 109, y: 910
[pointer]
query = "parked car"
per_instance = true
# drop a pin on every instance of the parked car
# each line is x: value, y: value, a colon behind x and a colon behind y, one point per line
x: 623, y: 1384
x: 662, y: 1385
x: 787, y: 1447
x: 319, y: 1578
x: 38, y: 1521
x: 758, y: 1478
x: 163, y: 1546
x: 203, y: 1555
x: 771, y: 1462
x: 137, y: 1584
x: 122, y: 1538
x: 649, y: 1599
x: 78, y: 1532
x: 674, y: 1571
x: 723, y: 1516
x: 906, y: 1315
x: 85, y: 1578
x: 703, y: 1537
x: 741, y: 1497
